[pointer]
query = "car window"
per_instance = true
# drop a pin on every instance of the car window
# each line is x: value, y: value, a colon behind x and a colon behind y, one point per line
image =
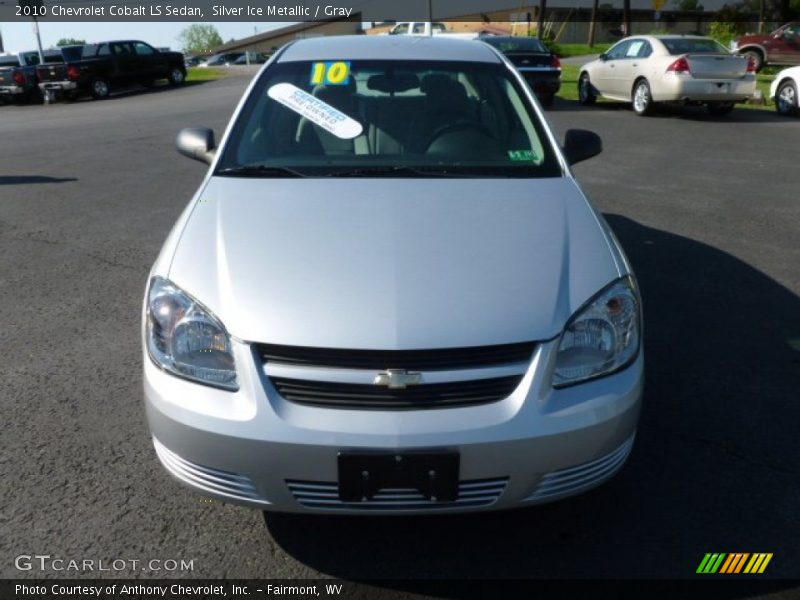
x: 693, y: 46
x: 9, y: 61
x: 143, y: 49
x: 436, y: 117
x: 792, y: 31
x: 519, y: 44
x: 440, y: 27
x: 646, y: 50
x: 104, y: 50
x: 618, y: 51
x: 72, y: 53
x: 122, y: 50
x: 401, y: 29
x: 419, y: 28
x: 30, y: 58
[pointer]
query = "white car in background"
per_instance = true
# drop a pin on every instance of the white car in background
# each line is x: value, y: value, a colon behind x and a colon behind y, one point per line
x: 784, y: 91
x: 647, y: 70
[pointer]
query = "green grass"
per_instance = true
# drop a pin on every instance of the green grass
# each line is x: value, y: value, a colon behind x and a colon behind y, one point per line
x: 195, y: 75
x: 569, y: 87
x: 567, y: 50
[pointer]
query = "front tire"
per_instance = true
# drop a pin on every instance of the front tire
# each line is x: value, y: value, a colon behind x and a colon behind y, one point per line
x: 100, y: 88
x: 177, y: 76
x: 586, y: 93
x: 786, y: 100
x: 642, y: 99
x: 756, y: 57
x: 719, y: 109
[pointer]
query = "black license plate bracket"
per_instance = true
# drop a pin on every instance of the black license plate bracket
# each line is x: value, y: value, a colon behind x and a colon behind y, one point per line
x: 363, y: 474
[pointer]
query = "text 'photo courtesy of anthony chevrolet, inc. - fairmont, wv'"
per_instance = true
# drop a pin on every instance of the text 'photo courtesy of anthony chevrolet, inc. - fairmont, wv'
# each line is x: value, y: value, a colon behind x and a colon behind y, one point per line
x: 368, y: 299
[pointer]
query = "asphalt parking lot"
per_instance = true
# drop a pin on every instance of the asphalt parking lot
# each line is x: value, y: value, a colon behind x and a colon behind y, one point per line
x: 707, y: 210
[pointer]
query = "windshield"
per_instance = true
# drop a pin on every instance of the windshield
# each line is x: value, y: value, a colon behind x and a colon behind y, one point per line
x: 693, y: 46
x: 518, y: 44
x: 388, y: 118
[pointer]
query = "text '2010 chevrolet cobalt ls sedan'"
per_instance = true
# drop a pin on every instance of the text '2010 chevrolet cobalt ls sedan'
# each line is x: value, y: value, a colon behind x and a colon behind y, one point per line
x: 390, y: 295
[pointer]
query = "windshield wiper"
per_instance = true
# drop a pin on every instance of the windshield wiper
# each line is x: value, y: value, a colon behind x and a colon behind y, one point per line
x: 397, y: 170
x: 259, y: 171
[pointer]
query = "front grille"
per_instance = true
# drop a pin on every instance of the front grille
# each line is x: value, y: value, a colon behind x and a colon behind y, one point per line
x: 436, y: 395
x: 572, y: 480
x: 412, y: 360
x: 323, y: 495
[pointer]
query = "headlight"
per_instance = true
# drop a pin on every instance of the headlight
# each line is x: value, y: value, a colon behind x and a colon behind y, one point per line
x: 601, y: 337
x: 184, y: 338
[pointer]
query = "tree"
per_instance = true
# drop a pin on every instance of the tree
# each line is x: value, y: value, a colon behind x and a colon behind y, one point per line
x: 199, y: 38
x: 70, y: 42
x: 689, y: 5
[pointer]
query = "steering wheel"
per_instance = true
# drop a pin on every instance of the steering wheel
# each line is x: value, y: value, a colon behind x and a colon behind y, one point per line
x: 459, y: 125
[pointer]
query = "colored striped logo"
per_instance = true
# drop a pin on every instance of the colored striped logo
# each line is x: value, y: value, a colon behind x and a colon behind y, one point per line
x: 736, y: 562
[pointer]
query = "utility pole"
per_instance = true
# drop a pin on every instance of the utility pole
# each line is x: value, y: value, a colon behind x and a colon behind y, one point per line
x: 626, y: 17
x: 540, y: 20
x: 32, y: 8
x: 593, y: 23
x: 38, y: 40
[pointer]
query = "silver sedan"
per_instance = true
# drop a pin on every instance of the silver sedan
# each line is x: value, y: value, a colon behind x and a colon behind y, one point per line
x: 389, y: 294
x: 648, y: 70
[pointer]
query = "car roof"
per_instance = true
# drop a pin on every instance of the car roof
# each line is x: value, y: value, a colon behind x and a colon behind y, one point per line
x: 388, y: 47
x: 503, y: 38
x: 668, y: 36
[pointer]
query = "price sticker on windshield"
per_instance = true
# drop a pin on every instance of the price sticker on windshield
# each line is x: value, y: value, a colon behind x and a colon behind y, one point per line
x: 315, y: 110
x: 330, y: 73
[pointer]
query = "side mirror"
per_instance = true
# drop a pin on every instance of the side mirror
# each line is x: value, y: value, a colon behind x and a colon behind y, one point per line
x: 603, y: 57
x: 580, y: 144
x: 196, y: 143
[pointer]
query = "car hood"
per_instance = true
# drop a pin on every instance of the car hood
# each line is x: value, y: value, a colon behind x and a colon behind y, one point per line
x: 393, y: 263
x: 753, y: 39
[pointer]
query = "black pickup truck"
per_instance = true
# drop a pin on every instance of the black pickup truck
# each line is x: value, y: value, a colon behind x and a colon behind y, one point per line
x: 18, y: 75
x: 102, y: 67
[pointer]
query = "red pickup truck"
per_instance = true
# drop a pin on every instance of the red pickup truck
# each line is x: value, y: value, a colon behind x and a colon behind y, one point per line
x: 781, y: 47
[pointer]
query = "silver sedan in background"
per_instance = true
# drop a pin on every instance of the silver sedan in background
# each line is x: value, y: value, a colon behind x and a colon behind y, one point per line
x: 647, y: 69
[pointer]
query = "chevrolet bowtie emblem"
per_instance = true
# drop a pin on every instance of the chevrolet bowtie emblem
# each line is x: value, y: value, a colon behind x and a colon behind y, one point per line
x: 397, y: 378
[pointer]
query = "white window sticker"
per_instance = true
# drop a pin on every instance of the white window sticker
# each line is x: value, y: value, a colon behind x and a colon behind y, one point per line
x: 633, y: 49
x: 315, y: 110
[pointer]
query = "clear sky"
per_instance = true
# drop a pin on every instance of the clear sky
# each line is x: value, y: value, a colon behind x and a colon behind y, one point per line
x: 20, y: 36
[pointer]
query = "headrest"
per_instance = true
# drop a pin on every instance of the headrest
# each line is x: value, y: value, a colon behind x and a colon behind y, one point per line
x: 444, y: 93
x: 338, y: 96
x: 398, y: 82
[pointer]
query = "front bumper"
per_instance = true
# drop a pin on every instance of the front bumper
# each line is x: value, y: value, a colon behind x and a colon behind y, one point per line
x: 252, y: 447
x: 680, y: 88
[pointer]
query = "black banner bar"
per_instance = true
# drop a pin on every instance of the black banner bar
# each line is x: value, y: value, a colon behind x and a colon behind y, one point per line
x: 358, y: 10
x: 287, y: 589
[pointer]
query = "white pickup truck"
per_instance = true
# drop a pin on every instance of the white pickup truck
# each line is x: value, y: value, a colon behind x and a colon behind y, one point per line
x: 426, y: 28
